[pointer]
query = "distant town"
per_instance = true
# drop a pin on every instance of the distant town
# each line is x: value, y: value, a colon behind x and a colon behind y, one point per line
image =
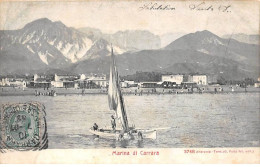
x: 184, y: 82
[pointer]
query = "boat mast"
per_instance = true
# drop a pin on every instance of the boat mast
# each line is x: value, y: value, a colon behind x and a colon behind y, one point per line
x: 115, y: 98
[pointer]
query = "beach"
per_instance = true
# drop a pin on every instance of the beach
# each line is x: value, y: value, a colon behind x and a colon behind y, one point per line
x: 18, y: 91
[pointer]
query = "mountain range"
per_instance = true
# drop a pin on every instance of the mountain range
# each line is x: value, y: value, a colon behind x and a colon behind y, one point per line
x: 128, y: 40
x: 251, y: 39
x: 46, y: 46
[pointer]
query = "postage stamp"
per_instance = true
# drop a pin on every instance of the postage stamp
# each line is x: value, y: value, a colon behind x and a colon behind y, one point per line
x: 23, y: 126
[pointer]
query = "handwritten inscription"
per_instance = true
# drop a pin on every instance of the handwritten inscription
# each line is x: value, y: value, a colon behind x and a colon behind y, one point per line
x: 198, y: 7
x: 209, y: 7
x: 156, y: 6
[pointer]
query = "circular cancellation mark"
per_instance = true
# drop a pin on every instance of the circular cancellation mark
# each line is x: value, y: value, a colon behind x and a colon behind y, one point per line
x: 23, y: 127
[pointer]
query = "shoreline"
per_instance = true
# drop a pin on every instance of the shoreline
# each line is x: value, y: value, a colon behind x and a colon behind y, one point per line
x: 98, y: 92
x: 133, y: 91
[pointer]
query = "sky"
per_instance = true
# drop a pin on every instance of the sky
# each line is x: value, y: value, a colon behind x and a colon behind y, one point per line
x: 112, y: 16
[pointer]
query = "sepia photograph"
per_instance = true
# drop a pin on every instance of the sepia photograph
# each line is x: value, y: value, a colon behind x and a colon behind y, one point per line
x: 116, y: 79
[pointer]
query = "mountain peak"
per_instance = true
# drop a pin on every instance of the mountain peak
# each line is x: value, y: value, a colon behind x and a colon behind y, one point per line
x: 196, y: 40
x: 39, y: 22
x: 44, y: 19
x: 205, y: 33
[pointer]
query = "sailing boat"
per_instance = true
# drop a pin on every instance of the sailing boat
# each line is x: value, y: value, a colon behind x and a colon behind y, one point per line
x: 116, y: 103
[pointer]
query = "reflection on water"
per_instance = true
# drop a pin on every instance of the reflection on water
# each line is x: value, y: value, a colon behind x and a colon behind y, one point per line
x: 188, y: 120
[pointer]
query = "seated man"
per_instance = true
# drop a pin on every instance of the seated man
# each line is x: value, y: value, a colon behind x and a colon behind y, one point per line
x: 113, y: 123
x: 95, y: 127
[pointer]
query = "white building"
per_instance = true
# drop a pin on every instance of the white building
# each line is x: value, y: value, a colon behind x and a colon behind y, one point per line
x: 98, y: 80
x: 41, y: 81
x: 123, y: 84
x: 126, y: 84
x: 57, y: 84
x: 16, y: 82
x: 178, y: 79
x: 90, y: 79
x: 257, y: 84
x: 82, y: 77
x: 64, y: 81
x: 200, y: 79
x: 37, y: 76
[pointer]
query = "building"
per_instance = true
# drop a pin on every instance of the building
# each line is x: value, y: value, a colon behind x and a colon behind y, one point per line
x: 187, y: 85
x: 178, y: 79
x: 149, y: 85
x: 92, y: 81
x: 124, y: 84
x: 41, y: 81
x: 257, y: 84
x: 168, y: 84
x: 6, y: 81
x: 212, y: 79
x: 127, y: 84
x: 99, y: 80
x: 14, y: 82
x: 200, y: 79
x: 64, y: 81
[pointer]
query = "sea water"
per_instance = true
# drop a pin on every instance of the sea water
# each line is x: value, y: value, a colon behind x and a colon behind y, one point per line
x: 184, y: 120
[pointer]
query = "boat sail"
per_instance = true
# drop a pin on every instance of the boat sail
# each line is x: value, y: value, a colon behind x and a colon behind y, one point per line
x: 116, y: 103
x: 115, y: 98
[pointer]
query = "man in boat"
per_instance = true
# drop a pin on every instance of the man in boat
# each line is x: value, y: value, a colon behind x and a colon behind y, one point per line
x: 130, y: 134
x: 95, y: 126
x: 113, y: 123
x: 140, y: 135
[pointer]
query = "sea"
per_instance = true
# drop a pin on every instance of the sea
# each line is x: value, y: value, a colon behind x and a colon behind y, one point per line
x: 181, y: 120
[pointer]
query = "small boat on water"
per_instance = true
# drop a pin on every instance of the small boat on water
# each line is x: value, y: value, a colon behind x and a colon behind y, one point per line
x: 116, y: 103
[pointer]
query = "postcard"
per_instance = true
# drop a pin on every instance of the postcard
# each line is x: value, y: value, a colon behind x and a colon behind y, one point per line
x: 95, y: 81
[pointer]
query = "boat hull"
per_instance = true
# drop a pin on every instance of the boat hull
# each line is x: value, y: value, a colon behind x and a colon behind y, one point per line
x: 110, y: 134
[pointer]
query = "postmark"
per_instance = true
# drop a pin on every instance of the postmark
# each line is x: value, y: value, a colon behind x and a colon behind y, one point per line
x: 23, y: 127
